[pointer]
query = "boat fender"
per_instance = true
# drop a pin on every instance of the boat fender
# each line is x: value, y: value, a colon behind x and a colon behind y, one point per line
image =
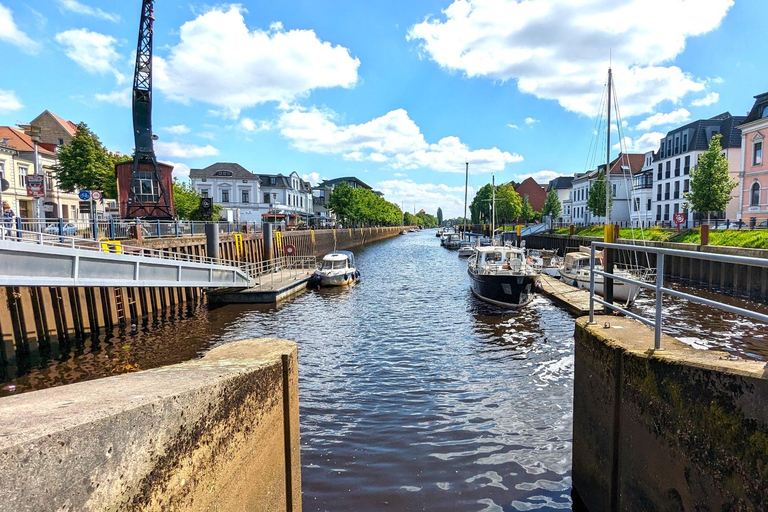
x: 357, y: 274
x: 575, y: 283
x: 290, y: 250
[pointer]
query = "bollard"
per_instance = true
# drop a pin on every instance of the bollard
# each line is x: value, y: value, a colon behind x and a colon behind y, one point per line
x: 212, y: 241
x: 61, y: 230
x: 705, y: 234
x: 267, y: 236
x: 95, y: 228
x: 112, y: 228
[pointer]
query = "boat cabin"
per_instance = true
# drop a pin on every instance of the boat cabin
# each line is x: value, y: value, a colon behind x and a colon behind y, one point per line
x: 500, y: 258
x: 337, y: 260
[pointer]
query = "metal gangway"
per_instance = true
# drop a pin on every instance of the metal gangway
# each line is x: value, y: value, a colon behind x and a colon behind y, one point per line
x: 29, y: 258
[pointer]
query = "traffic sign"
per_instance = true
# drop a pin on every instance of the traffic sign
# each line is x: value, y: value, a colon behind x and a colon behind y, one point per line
x: 36, y: 186
x: 84, y: 195
x: 4, y: 185
x: 96, y: 195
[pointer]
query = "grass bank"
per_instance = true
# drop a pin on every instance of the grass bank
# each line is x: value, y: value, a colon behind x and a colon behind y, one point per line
x: 750, y: 239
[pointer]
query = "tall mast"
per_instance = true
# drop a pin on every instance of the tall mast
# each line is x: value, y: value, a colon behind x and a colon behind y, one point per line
x: 466, y: 184
x: 141, y: 184
x: 608, y: 156
x: 493, y: 205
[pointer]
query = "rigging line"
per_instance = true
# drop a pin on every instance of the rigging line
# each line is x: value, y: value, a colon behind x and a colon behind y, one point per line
x: 595, y: 141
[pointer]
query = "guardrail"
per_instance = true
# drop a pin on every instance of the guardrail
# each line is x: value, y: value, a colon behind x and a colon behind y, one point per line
x: 280, y: 268
x: 120, y: 229
x: 658, y: 287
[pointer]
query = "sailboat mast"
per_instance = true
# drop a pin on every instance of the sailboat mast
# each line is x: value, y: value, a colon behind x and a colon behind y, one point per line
x: 466, y: 184
x: 493, y: 205
x: 608, y: 155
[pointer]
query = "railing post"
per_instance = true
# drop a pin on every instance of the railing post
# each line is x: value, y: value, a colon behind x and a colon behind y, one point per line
x: 95, y: 228
x: 192, y: 228
x: 158, y: 228
x: 61, y: 231
x: 592, y: 284
x: 176, y: 225
x: 659, y: 300
x: 112, y: 233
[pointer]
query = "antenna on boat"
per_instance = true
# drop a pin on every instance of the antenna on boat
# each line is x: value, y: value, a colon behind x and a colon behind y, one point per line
x: 466, y: 184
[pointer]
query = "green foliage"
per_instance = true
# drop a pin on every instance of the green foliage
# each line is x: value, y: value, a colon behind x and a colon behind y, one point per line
x: 185, y: 199
x: 527, y: 213
x: 439, y: 216
x: 711, y: 184
x: 552, y: 205
x: 480, y: 208
x: 596, y: 196
x: 357, y: 206
x: 85, y: 164
x: 508, y: 204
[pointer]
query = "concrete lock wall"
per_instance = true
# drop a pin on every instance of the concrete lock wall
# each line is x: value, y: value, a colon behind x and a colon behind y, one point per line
x: 219, y: 433
x: 679, y: 429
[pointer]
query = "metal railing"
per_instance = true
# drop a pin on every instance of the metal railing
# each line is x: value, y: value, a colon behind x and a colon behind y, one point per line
x: 278, y: 269
x: 658, y: 287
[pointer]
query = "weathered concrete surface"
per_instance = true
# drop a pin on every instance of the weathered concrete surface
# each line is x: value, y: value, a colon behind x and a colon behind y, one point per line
x: 202, y: 435
x: 679, y: 429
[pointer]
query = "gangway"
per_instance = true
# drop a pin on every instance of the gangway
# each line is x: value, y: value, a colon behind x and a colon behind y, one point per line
x: 29, y: 258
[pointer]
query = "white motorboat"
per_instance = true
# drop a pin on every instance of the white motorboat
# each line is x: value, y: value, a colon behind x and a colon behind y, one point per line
x: 465, y: 249
x: 500, y: 275
x: 336, y: 269
x: 575, y: 271
x: 545, y: 261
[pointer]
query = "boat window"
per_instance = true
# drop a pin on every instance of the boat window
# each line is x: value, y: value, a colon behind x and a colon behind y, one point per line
x: 493, y: 257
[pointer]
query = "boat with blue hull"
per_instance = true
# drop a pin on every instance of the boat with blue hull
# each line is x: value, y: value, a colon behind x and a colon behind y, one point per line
x: 500, y: 275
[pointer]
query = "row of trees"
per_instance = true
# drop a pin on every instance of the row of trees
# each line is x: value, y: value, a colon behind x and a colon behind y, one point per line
x: 356, y: 206
x: 510, y: 207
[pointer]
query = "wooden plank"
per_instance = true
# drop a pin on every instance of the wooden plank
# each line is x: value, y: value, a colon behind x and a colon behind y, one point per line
x: 574, y: 300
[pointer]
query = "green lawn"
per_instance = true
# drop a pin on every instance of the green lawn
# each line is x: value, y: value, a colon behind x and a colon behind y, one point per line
x: 757, y: 239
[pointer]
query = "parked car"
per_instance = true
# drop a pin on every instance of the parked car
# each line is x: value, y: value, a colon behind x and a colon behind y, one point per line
x: 69, y: 229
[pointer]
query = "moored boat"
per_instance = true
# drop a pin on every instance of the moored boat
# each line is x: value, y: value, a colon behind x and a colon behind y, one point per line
x: 500, y: 275
x: 336, y: 269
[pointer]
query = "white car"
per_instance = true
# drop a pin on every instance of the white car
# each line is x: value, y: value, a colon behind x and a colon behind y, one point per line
x: 69, y: 229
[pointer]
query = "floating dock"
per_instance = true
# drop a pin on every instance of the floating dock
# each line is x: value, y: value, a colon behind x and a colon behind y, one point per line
x: 271, y: 289
x: 574, y: 300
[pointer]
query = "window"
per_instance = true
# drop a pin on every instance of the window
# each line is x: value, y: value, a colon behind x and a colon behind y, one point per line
x: 658, y: 192
x: 687, y: 166
x: 677, y: 190
x: 23, y: 172
x: 757, y: 154
x: 669, y: 147
x: 754, y: 195
x: 685, y: 186
x: 204, y: 180
x: 668, y: 169
x: 677, y: 208
x: 272, y: 181
x: 685, y: 142
x: 146, y: 188
x: 661, y: 170
x: 677, y: 167
x: 637, y: 203
x: 204, y: 192
x: 2, y: 170
x: 266, y: 198
x: 666, y: 191
x: 765, y: 111
x: 666, y: 212
x: 649, y: 205
x: 223, y: 173
x: 677, y: 145
x: 614, y: 189
x: 61, y: 142
x: 246, y: 197
x: 658, y: 212
x: 225, y: 196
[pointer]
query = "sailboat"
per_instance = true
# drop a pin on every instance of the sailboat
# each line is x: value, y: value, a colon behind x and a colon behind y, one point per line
x: 465, y: 246
x: 499, y: 274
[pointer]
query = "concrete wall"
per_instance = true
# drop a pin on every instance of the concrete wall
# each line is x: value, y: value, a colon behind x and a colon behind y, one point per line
x: 210, y: 434
x: 679, y: 429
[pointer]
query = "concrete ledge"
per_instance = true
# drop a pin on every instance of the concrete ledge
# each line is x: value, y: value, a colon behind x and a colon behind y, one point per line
x: 679, y: 429
x: 256, y: 295
x: 203, y: 435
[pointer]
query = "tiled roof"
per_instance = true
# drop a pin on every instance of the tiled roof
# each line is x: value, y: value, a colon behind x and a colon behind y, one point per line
x: 761, y: 102
x: 20, y: 141
x: 68, y: 125
x: 636, y: 162
x: 238, y: 171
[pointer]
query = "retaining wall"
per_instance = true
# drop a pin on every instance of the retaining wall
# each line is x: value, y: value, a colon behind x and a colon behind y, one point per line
x: 219, y: 433
x: 679, y: 429
x: 742, y: 280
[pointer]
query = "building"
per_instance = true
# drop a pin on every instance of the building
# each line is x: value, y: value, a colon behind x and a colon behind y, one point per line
x: 231, y: 186
x: 679, y: 150
x: 286, y: 199
x: 753, y: 179
x: 562, y: 187
x: 54, y: 130
x: 322, y: 215
x: 17, y: 162
x: 533, y: 191
x: 642, y: 213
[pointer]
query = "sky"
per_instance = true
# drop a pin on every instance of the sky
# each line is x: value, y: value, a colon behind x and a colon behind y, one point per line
x: 400, y: 94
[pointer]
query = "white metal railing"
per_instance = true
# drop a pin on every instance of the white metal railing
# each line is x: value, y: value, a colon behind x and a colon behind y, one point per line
x: 278, y: 269
x: 658, y: 287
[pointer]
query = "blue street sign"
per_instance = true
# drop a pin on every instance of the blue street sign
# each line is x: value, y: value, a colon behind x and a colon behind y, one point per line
x: 84, y: 195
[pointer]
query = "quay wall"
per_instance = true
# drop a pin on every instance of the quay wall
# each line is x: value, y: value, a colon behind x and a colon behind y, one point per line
x: 218, y: 433
x: 741, y: 280
x: 679, y: 429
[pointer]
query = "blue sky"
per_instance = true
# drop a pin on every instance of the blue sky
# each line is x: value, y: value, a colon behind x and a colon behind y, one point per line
x: 399, y: 94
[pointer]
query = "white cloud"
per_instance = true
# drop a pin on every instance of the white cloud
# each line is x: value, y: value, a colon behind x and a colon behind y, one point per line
x: 559, y: 49
x: 392, y: 139
x: 541, y: 177
x: 399, y: 175
x: 427, y: 196
x: 92, y: 51
x: 530, y: 121
x: 9, y: 102
x: 10, y: 33
x: 261, y: 66
x: 250, y: 125
x: 313, y: 178
x: 677, y: 117
x: 120, y: 98
x: 513, y: 126
x: 707, y: 100
x: 179, y: 129
x: 180, y: 170
x: 644, y: 143
x: 179, y: 150
x: 78, y: 8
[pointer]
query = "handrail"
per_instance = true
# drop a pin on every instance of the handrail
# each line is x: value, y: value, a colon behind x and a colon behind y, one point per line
x: 660, y: 289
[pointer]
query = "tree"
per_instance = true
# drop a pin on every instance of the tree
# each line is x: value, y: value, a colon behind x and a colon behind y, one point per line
x: 509, y: 205
x: 185, y: 199
x: 552, y: 205
x: 711, y: 183
x: 527, y: 212
x: 480, y: 207
x: 85, y: 164
x: 596, y: 196
x: 439, y: 215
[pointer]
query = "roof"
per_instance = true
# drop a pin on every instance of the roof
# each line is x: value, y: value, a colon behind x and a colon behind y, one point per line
x: 636, y: 163
x: 336, y: 181
x: 238, y: 172
x: 20, y: 141
x: 761, y: 102
x: 68, y: 125
x: 280, y: 181
x: 724, y: 123
x: 560, y: 183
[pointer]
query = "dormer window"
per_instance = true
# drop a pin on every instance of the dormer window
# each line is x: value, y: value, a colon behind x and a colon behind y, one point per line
x: 764, y: 112
x: 223, y: 173
x: 272, y: 181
